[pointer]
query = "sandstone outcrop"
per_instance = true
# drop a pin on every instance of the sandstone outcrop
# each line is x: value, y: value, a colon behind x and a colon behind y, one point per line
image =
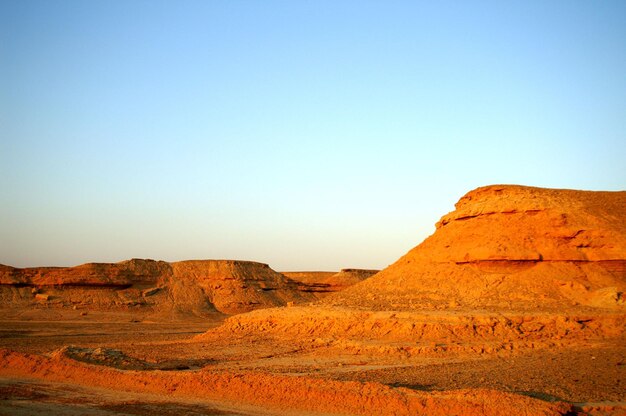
x: 237, y: 286
x: 511, y: 248
x: 195, y: 286
x: 115, y: 275
x: 510, y: 264
x: 321, y: 284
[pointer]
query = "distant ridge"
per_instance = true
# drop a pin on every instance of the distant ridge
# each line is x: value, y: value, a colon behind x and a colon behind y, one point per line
x: 192, y: 286
x: 321, y: 284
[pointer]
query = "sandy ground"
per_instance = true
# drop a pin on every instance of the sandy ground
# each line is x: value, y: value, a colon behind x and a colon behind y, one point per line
x: 35, y: 397
x: 588, y: 375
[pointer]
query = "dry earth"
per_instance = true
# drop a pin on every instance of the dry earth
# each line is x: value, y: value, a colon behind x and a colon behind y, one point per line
x: 513, y: 306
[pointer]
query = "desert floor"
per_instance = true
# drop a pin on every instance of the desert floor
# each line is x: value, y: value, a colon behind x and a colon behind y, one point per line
x: 589, y: 375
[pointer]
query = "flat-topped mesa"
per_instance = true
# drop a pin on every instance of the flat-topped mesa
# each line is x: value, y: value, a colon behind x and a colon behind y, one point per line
x: 123, y: 274
x: 194, y: 286
x: 349, y: 277
x: 508, y: 246
x: 235, y: 286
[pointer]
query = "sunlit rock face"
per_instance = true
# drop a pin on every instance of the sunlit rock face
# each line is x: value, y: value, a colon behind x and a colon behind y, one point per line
x: 511, y: 247
x: 511, y: 265
x: 194, y: 286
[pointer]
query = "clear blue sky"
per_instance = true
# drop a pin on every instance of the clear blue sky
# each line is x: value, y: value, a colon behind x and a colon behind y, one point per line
x: 304, y: 134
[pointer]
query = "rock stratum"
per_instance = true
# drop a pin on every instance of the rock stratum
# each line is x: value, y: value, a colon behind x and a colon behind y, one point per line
x: 511, y: 248
x: 194, y: 286
x: 321, y: 284
x: 510, y: 263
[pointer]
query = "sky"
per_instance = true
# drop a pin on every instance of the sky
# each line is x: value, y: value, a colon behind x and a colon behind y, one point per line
x: 309, y: 135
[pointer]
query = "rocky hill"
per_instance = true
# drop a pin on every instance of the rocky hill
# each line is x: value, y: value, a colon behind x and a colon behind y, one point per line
x: 142, y: 286
x: 510, y: 263
x: 511, y: 248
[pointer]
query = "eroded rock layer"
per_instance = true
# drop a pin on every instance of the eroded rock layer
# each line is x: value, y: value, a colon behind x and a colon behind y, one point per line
x: 510, y: 265
x: 321, y: 284
x: 511, y: 248
x: 195, y: 286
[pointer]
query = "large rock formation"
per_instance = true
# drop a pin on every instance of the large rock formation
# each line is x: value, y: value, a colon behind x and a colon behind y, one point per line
x: 115, y: 275
x: 237, y: 286
x: 511, y: 248
x: 510, y: 263
x: 195, y: 286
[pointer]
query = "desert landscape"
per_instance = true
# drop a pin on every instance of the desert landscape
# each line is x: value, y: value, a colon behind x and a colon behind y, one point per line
x: 514, y: 306
x: 312, y: 208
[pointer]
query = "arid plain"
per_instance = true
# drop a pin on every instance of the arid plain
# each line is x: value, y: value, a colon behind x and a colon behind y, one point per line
x: 514, y: 306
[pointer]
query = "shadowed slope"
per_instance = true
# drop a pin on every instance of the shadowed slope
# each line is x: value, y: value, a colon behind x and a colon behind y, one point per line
x: 321, y: 284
